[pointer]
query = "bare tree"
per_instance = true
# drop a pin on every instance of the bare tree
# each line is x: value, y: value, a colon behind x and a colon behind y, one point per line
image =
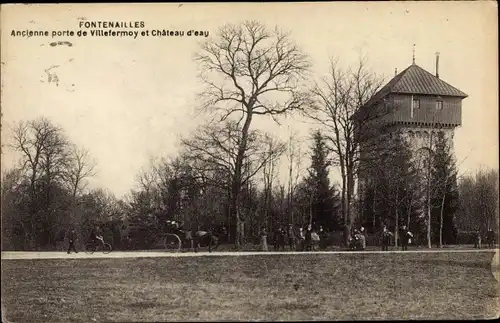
x: 294, y: 156
x: 479, y: 201
x: 29, y: 140
x: 214, y: 150
x: 338, y: 102
x: 81, y: 168
x: 270, y: 172
x: 44, y: 161
x: 153, y: 181
x: 250, y: 71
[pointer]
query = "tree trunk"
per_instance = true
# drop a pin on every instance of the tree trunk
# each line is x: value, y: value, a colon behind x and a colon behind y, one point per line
x: 229, y: 218
x: 373, y: 209
x: 344, y: 208
x: 237, y: 237
x: 311, y: 208
x: 237, y: 179
x: 350, y: 190
x: 396, y: 229
x: 409, y: 212
x: 429, y: 244
x: 290, y: 206
x: 441, y: 221
x: 429, y: 216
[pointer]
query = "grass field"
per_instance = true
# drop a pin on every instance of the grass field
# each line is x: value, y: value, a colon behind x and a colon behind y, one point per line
x: 277, y: 287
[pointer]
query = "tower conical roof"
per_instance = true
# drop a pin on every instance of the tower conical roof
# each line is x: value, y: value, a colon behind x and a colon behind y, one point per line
x: 416, y: 80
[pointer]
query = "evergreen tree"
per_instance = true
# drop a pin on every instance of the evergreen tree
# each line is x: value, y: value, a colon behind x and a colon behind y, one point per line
x: 391, y: 197
x: 445, y: 199
x: 323, y: 203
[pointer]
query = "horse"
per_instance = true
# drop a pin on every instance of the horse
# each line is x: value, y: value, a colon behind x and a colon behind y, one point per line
x: 205, y: 237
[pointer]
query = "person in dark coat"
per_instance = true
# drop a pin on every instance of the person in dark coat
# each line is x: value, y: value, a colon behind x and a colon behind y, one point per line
x: 322, y: 238
x: 291, y: 237
x: 490, y: 238
x: 308, y: 237
x: 280, y: 239
x: 385, y: 238
x: 96, y: 235
x: 71, y: 240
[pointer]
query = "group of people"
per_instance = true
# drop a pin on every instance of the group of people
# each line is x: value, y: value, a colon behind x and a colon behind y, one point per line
x: 357, y: 238
x: 490, y: 238
x: 405, y: 238
x: 306, y: 238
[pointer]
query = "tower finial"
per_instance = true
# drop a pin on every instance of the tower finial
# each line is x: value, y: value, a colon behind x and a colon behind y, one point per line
x: 413, y: 54
x: 437, y: 64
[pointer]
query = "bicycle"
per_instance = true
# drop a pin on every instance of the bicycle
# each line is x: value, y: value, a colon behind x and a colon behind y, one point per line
x: 91, y: 247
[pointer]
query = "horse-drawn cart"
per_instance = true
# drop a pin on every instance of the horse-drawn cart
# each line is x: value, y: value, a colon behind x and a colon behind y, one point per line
x: 175, y: 238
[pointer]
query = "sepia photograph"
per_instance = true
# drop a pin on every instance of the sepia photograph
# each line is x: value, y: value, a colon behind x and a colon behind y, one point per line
x: 281, y: 161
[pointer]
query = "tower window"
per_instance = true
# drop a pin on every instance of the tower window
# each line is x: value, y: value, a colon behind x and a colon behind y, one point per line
x: 439, y: 105
x: 416, y: 104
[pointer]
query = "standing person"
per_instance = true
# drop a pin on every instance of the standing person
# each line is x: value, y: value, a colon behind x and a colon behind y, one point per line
x: 291, y: 237
x: 308, y: 236
x: 477, y: 240
x: 362, y: 238
x: 322, y: 238
x: 300, y: 244
x: 356, y: 240
x: 386, y: 238
x: 279, y: 239
x: 263, y: 239
x: 224, y: 232
x: 71, y: 240
x: 406, y: 236
x: 490, y: 238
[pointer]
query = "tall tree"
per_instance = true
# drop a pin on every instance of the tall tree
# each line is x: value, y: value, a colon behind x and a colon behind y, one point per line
x: 44, y: 161
x: 338, y: 101
x: 250, y: 71
x: 393, y: 182
x: 322, y: 207
x: 295, y: 160
x: 52, y: 173
x: 445, y: 198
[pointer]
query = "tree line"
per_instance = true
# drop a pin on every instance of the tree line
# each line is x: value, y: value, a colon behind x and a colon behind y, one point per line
x: 226, y: 171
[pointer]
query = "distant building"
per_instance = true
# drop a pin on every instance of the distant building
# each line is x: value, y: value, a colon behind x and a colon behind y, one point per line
x: 416, y: 104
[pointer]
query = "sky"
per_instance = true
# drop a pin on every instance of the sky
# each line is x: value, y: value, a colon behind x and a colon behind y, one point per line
x: 128, y: 100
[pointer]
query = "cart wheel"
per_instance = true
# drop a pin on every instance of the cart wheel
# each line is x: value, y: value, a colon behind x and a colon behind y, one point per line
x: 90, y: 248
x: 106, y: 248
x: 172, y: 243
